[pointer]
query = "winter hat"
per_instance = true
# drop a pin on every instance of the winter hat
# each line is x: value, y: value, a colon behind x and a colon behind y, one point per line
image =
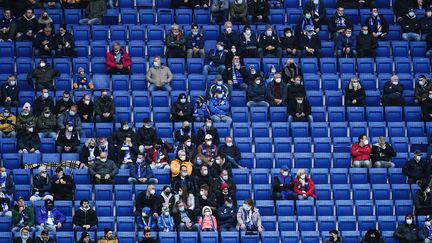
x: 106, y: 230
x: 27, y: 105
x: 146, y: 210
x: 224, y: 186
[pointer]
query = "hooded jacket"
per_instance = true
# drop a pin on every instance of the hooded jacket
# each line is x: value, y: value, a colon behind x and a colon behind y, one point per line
x: 9, y: 91
x: 256, y: 217
x: 414, y: 169
x: 410, y: 24
x: 25, y: 24
x: 337, y: 22
x: 46, y: 124
x: 124, y: 59
x: 82, y: 217
x: 369, y: 239
x: 104, y: 105
x: 175, y: 41
x: 238, y: 10
x: 186, y: 108
x: 146, y: 136
x: 41, y: 37
x: 27, y: 214
x: 206, y: 222
x: 219, y: 106
x: 43, y: 185
x: 22, y: 121
x: 351, y: 94
x: 344, y: 41
x: 63, y: 141
x: 422, y: 92
x: 42, y: 216
x: 360, y: 153
x: 407, y: 233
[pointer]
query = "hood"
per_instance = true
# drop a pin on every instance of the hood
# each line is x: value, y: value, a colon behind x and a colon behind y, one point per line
x: 28, y: 19
x: 205, y: 208
x: 375, y: 232
x: 181, y: 96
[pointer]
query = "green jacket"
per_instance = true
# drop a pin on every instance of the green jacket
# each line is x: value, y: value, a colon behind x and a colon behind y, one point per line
x: 96, y: 9
x: 175, y: 42
x: 44, y: 124
x: 29, y: 216
x: 22, y: 120
x: 103, y: 168
x: 102, y: 106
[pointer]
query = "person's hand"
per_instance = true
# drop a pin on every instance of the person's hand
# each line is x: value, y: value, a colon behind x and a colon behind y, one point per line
x: 304, y: 195
x: 29, y: 33
x: 86, y: 226
x: 67, y: 149
x: 42, y: 224
x: 180, y: 113
x: 259, y: 17
x: 143, y: 180
x: 242, y: 226
x: 59, y: 225
x: 302, y: 114
x: 297, y: 114
x: 8, y: 99
x: 20, y: 209
x: 107, y: 177
x: 316, y: 20
x: 62, y: 181
x: 98, y: 176
x: 381, y: 154
x: 317, y: 30
x: 348, y: 50
x: 85, y: 117
x: 45, y: 42
x: 260, y: 229
x: 67, y: 45
x: 354, y: 101
x: 341, y: 30
x: 189, y: 225
x: 155, y: 215
x: 204, y: 197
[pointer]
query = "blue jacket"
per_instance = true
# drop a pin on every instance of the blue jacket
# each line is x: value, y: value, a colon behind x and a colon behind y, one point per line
x: 256, y: 92
x: 195, y: 41
x: 165, y: 223
x: 153, y: 222
x: 143, y: 169
x: 8, y: 185
x: 42, y: 216
x: 346, y: 42
x: 219, y: 106
x: 202, y: 111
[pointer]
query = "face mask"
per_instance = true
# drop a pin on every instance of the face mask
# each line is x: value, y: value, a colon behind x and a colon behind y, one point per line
x: 229, y: 205
x: 6, y: 114
x: 299, y: 101
x: 202, y: 193
x: 182, y: 158
x: 228, y: 30
x: 366, y: 142
x: 316, y: 2
x: 208, y: 143
x: 12, y: 83
x: 209, y: 124
x: 183, y: 101
x: 219, y: 82
x: 303, y: 177
x: 247, y: 207
x: 166, y: 214
x: 248, y: 32
x: 45, y: 95
x: 430, y: 96
x: 198, y: 162
x: 428, y: 14
x: 229, y: 144
x: 188, y: 143
x: 220, y: 96
x: 411, y: 14
x: 220, y: 48
x: 348, y: 35
x: 155, y: 64
x: 253, y: 71
x: 72, y: 113
x: 239, y: 1
x: 25, y: 237
x: 152, y: 192
x: 395, y: 82
x: 233, y: 50
x: 421, y: 82
x: 418, y: 157
x: 30, y: 129
x: 278, y: 80
x: 181, y: 209
x: 285, y: 173
x: 42, y: 64
x: 125, y: 128
x: 25, y: 113
x: 184, y: 174
x: 225, y: 178
x: 365, y: 32
x: 86, y: 102
x: 103, y: 160
x: 427, y: 190
x: 194, y: 32
x: 147, y: 126
x: 409, y: 221
x: 289, y: 34
x: 257, y: 81
x: 218, y: 161
x: 269, y: 33
x: 65, y: 99
x: 308, y: 16
x: 355, y: 85
x: 207, y: 213
x: 3, y: 174
x: 205, y: 172
x: 180, y: 192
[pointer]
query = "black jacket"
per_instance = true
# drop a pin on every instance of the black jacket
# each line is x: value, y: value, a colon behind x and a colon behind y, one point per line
x: 85, y: 153
x: 118, y: 136
x: 390, y: 88
x: 186, y: 108
x: 200, y: 202
x: 409, y: 24
x: 41, y: 37
x: 401, y: 7
x: 407, y: 233
x: 295, y: 90
x: 256, y: 92
x: 190, y: 214
x: 321, y: 14
x: 84, y: 109
x: 181, y: 135
x: 372, y: 24
x: 227, y: 74
x: 63, y: 190
x: 351, y: 94
x: 143, y: 201
x: 200, y: 180
x: 27, y: 140
x: 290, y: 71
x: 146, y: 136
x: 415, y: 170
x: 9, y: 91
x: 265, y: 41
x: 426, y: 107
x: 314, y: 42
x: 39, y: 240
x: 227, y: 216
x: 366, y: 42
x: 248, y: 48
x: 62, y: 105
x: 63, y: 141
x: 293, y: 108
x: 24, y: 25
x: 204, y: 131
x: 426, y: 25
x: 259, y: 7
x: 232, y: 151
x: 133, y: 151
x: 377, y: 150
x: 43, y: 75
x: 216, y: 58
x: 270, y: 92
x: 336, y: 23
x: 423, y: 200
x: 41, y: 185
x: 40, y: 103
x: 289, y: 42
x: 29, y: 240
x: 229, y: 40
x: 104, y: 105
x: 60, y: 41
x: 85, y: 217
x: 177, y: 182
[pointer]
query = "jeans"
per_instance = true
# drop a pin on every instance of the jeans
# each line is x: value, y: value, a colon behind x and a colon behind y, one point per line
x: 208, y: 69
x: 165, y: 87
x: 300, y: 197
x: 221, y: 118
x: 47, y: 135
x: 79, y: 228
x: 110, y: 118
x: 157, y: 166
x: 39, y: 53
x: 126, y: 166
x: 200, y: 53
x: 182, y: 227
x: 285, y: 195
x: 303, y: 119
x: 264, y: 53
x: 7, y: 135
x: 257, y: 103
x: 341, y: 53
x: 87, y: 21
x: 362, y: 164
x: 227, y: 227
x: 384, y: 164
x: 317, y: 53
x: 411, y: 36
x: 50, y: 228
x: 25, y: 151
x: 232, y: 161
x: 76, y: 149
x: 151, y: 181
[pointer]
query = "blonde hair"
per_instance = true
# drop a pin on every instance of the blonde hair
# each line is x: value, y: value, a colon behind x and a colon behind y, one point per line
x: 87, y: 143
x: 300, y: 172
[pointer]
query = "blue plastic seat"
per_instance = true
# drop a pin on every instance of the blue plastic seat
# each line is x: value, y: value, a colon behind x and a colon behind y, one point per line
x: 283, y: 159
x: 21, y: 177
x: 241, y: 176
x: 328, y: 65
x: 247, y: 160
x: 319, y: 130
x: 293, y: 12
x: 326, y: 223
x: 356, y: 114
x: 243, y: 192
x: 260, y: 129
x: 396, y: 129
x: 341, y: 145
x: 366, y: 222
x: 325, y: 208
x: 315, y: 97
x: 66, y: 237
x: 338, y: 129
x: 103, y: 192
x: 302, y: 145
x: 378, y: 175
x: 322, y: 145
x: 361, y: 192
x: 165, y: 16
x: 258, y: 114
x: 264, y: 160
x: 399, y: 48
x: 418, y: 48
x: 290, y: 236
x: 83, y: 192
x: 387, y: 222
x: 358, y: 176
x: 330, y: 81
x: 384, y: 65
x: 344, y: 208
x: 310, y: 236
x: 266, y: 209
x: 339, y: 176
x: 22, y: 191
x: 374, y: 114
x: 11, y: 160
x: 365, y: 65
x: 415, y: 129
x: 402, y: 65
x: 403, y: 207
x: 347, y: 65
x: 104, y: 129
x: 303, y: 160
x: 421, y: 65
x: 347, y: 223
x: 336, y: 114
x: 400, y: 191
x: 238, y: 99
x: 23, y: 49
x: 263, y: 145
x: 305, y: 208
x: 201, y: 16
x: 333, y: 98
x: 104, y: 208
x: 319, y: 114
x: 384, y: 207
x: 260, y: 176
x: 65, y: 207
x: 300, y: 129
x: 129, y: 16
x: 280, y: 129
x: 364, y: 207
x: 309, y: 65
x: 284, y: 207
x: 311, y: 81
x: 327, y: 47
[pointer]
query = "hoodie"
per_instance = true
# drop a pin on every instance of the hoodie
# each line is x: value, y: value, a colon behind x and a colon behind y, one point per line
x: 207, y: 222
x: 186, y: 108
x: 410, y: 24
x: 25, y: 24
x: 407, y: 233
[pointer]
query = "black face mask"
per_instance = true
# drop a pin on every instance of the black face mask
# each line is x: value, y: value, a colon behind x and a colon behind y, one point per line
x: 49, y: 207
x: 91, y: 146
x: 186, y: 128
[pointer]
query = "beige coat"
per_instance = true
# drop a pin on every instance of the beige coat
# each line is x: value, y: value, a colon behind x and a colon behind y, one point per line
x: 159, y: 76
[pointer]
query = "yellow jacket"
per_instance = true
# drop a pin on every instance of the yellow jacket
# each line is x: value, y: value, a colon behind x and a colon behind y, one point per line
x: 7, y: 127
x: 103, y: 240
x: 175, y: 167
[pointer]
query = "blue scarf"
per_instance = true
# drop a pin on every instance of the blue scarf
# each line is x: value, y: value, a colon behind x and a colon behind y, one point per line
x: 237, y: 77
x: 378, y: 24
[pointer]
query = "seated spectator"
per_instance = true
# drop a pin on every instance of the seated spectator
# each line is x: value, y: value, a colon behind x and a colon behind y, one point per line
x: 41, y: 185
x: 28, y: 141
x: 268, y: 43
x: 25, y: 116
x: 407, y: 232
x: 7, y: 124
x: 421, y: 90
x: 189, y: 147
x: 338, y: 23
x: 219, y: 11
x: 45, y: 20
x: 249, y: 218
x: 289, y: 43
x: 166, y: 221
x: 201, y: 111
x: 208, y: 128
x: 94, y: 12
x: 43, y: 44
x: 27, y: 26
x: 236, y: 76
x: 43, y: 76
x: 141, y: 172
x: 49, y: 218
x: 426, y: 24
x: 44, y: 100
x: 86, y: 108
x: 24, y: 237
x: 159, y: 76
x: 256, y: 93
x: 70, y: 116
x: 9, y: 92
x: 216, y: 59
x: 393, y: 92
x: 223, y: 176
x: 260, y: 11
x: 277, y: 94
x: 180, y: 160
x: 108, y: 237
x: 310, y: 43
x: 227, y: 215
x: 318, y: 10
x: 85, y: 237
x: 64, y: 43
x: 355, y: 94
x: 248, y: 43
x: 185, y: 132
x: 103, y: 170
x: 229, y: 37
x: 44, y: 237
x: 6, y: 191
x: 195, y: 40
x: 184, y: 219
x: 208, y: 149
x: 372, y: 236
x: 146, y: 220
x: 424, y: 232
x: 239, y: 11
x: 304, y: 21
x: 146, y: 136
x: 377, y: 25
x: 126, y: 154
x: 64, y: 103
x: 105, y: 146
x: 82, y: 80
x: 105, y: 107
x: 184, y: 195
x: 290, y: 71
x: 366, y: 43
x: 299, y: 110
x: 62, y: 186
x: 360, y: 153
x: 219, y: 84
x: 118, y: 60
x: 382, y: 154
x: 231, y: 152
x: 207, y: 221
x: 85, y: 217
x: 166, y: 198
x: 22, y: 217
x: 181, y: 110
x: 175, y: 43
x: 203, y: 177
x: 89, y: 152
x: 120, y: 134
x: 334, y: 237
x: 410, y: 26
x: 148, y: 199
x: 157, y: 156
x: 7, y: 26
x: 68, y: 140
x: 423, y: 199
x: 221, y: 164
x: 346, y: 44
x: 282, y: 186
x: 400, y: 8
x: 304, y: 186
x: 205, y: 198
x: 426, y: 106
x: 416, y: 169
x: 219, y: 107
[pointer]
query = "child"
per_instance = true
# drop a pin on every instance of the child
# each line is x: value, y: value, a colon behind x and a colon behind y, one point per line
x: 82, y: 80
x: 166, y: 221
x: 201, y: 111
x: 147, y: 221
x: 207, y: 222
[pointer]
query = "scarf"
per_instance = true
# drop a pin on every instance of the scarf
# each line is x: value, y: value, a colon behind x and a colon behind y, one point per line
x: 306, y: 22
x: 166, y: 199
x: 5, y: 206
x: 236, y: 75
x: 378, y: 24
x: 167, y: 222
x: 247, y: 37
x: 118, y: 57
x: 70, y: 118
x: 340, y: 21
x: 127, y: 154
x: 316, y: 9
x: 248, y: 219
x: 148, y: 222
x: 3, y: 181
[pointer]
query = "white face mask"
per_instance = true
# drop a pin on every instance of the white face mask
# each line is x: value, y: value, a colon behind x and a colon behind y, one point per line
x: 167, y: 214
x: 42, y: 64
x: 427, y: 190
x: 409, y: 221
x: 233, y: 50
x: 184, y: 174
x: 207, y: 213
x: 12, y: 83
x: 220, y: 48
x: 308, y: 16
x: 228, y: 30
x: 45, y: 95
x: 248, y: 32
x: 65, y: 99
x: 418, y: 157
x: 247, y: 207
x: 152, y: 191
x: 188, y: 143
x: 299, y: 101
x: 395, y: 82
x: 181, y: 209
x: 411, y: 14
x: 208, y: 124
x: 239, y: 1
x: 103, y: 159
x: 365, y: 32
x: 220, y: 96
x: 70, y: 129
x: 209, y: 143
x: 205, y: 172
x: 427, y: 223
x: 72, y: 113
x: 316, y: 2
x: 182, y: 100
x: 155, y: 64
x: 278, y: 80
x: 30, y: 129
x: 219, y: 82
x: 289, y: 34
x: 202, y: 193
x: 86, y: 102
x: 182, y: 158
x: 125, y: 128
x: 348, y: 35
x: 218, y: 161
x: 430, y: 96
x: 355, y: 85
x: 229, y: 144
x: 303, y: 177
x: 366, y: 142
x: 421, y: 82
x: 225, y: 177
x: 3, y: 174
x: 375, y: 14
x: 258, y: 81
x: 285, y: 173
x: 269, y: 33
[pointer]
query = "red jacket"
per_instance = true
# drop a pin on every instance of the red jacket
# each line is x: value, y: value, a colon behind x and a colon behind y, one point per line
x: 310, y: 192
x: 125, y: 60
x: 360, y: 153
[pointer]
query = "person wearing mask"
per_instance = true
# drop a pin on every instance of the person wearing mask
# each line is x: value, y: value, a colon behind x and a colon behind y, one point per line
x: 268, y: 43
x: 346, y: 44
x: 229, y: 37
x: 299, y: 110
x: 205, y: 198
x: 166, y: 221
x: 148, y: 199
x: 45, y: 20
x: 207, y: 221
x: 41, y: 185
x: 334, y: 237
x: 86, y: 109
x: 106, y: 146
x: 182, y: 109
x: 305, y: 21
x: 239, y: 11
x: 248, y: 43
x: 224, y: 176
x: 104, y: 107
x: 201, y: 111
x: 317, y: 9
x: 94, y: 12
x: 27, y: 26
x: 82, y: 80
x: 64, y: 43
x: 382, y: 153
x: 64, y: 103
x: 43, y: 43
x: 360, y: 153
x: 338, y: 23
x: 62, y: 186
x: 108, y: 237
x: 157, y: 156
x: 203, y: 178
x: 304, y: 187
x: 227, y: 216
x: 124, y: 131
x: 7, y: 124
x: 6, y: 191
x: 208, y: 149
x: 49, y: 218
x: 184, y: 183
x: 146, y: 136
x: 377, y: 25
x: 184, y: 133
x: 259, y: 10
x: 219, y: 11
x: 407, y: 232
x: 421, y: 90
x: 85, y: 217
x: 366, y: 43
x: 222, y: 164
x: 22, y: 217
x: 230, y: 152
x: 423, y: 199
x: 415, y: 169
x: 25, y: 116
x: 189, y: 147
x: 159, y: 76
x: 9, y: 92
x: 426, y: 107
x: 166, y: 198
x: 85, y: 237
x: 236, y: 76
x: 118, y: 60
x: 216, y: 58
x: 24, y: 237
x: 103, y: 170
x: 43, y: 76
x: 195, y: 42
x: 44, y: 237
x: 425, y: 232
x: 7, y: 26
x: 355, y: 94
x: 89, y: 152
x: 295, y: 88
x: 219, y: 108
x: 141, y: 172
x: 277, y: 94
x: 28, y: 141
x: 289, y: 43
x: 126, y: 154
x: 426, y: 24
x: 180, y: 160
x: 310, y: 43
x: 185, y: 196
x: 393, y: 92
x: 208, y: 128
x: 410, y: 26
x: 146, y: 220
x: 372, y: 236
x: 175, y: 43
x: 184, y: 219
x: 219, y: 83
x: 282, y: 185
x: 44, y: 100
x: 256, y: 93
x: 249, y: 218
x: 290, y: 71
x: 68, y: 140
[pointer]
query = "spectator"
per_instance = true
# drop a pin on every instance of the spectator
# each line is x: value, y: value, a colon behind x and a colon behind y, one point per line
x: 227, y: 215
x: 410, y: 26
x: 426, y: 24
x: 221, y: 164
x: 89, y: 152
x: 184, y: 133
x: 230, y: 152
x: 146, y: 136
x: 366, y: 43
x: 82, y: 80
x: 360, y: 153
x: 208, y: 128
x: 104, y: 107
x: 6, y: 191
x: 282, y: 185
x: 290, y: 71
x: 304, y: 187
x: 289, y: 43
x: 105, y: 146
x: 268, y: 43
x: 159, y: 76
x: 416, y: 169
x: 295, y: 88
x: 195, y: 40
x: 24, y: 237
x: 219, y: 107
x: 124, y: 131
x: 94, y: 12
x: 188, y: 147
x: 393, y: 93
x: 238, y: 12
x: 175, y: 43
x: 28, y: 140
x: 43, y: 76
x: 407, y: 232
x: 223, y: 176
x: 355, y: 94
x: 9, y: 92
x: 180, y: 160
x: 7, y: 26
x: 216, y: 59
x: 43, y: 43
x: 256, y: 93
x: 346, y: 44
x: 229, y: 37
x: 201, y: 110
x: 400, y: 8
x: 207, y: 221
x: 300, y: 110
x: 49, y: 218
x: 108, y: 237
x: 249, y: 218
x: 423, y: 200
x: 85, y: 217
x: 183, y: 182
x: 421, y: 90
x: 248, y: 43
x: 426, y: 106
x: 338, y: 23
x: 27, y: 26
x: 41, y: 185
x: 372, y: 236
x: 310, y: 43
x: 205, y: 198
x: 260, y: 11
x: 184, y: 219
x: 63, y: 186
x: 85, y: 237
x: 184, y: 195
x: 203, y: 177
x: 148, y: 199
x: 86, y: 108
x: 304, y: 21
x: 64, y: 103
x: 7, y: 124
x: 45, y: 20
x: 182, y: 109
x: 103, y: 171
x: 377, y: 25
x: 166, y: 221
x: 126, y: 154
x: 166, y: 198
x: 220, y: 85
x: 318, y: 10
x: 44, y: 237
x: 43, y: 101
x: 236, y: 76
x: 68, y: 140
x: 25, y: 116
x: 276, y: 94
x: 219, y: 11
x: 22, y: 217
x: 208, y: 149
x: 424, y: 232
x: 382, y: 154
x: 141, y: 172
x: 64, y: 43
x: 118, y: 60
x: 334, y: 237
x: 146, y: 220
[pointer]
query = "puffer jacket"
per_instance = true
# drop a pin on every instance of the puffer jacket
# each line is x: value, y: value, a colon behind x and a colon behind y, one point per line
x: 256, y: 217
x: 46, y: 124
x: 360, y: 153
x: 7, y: 124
